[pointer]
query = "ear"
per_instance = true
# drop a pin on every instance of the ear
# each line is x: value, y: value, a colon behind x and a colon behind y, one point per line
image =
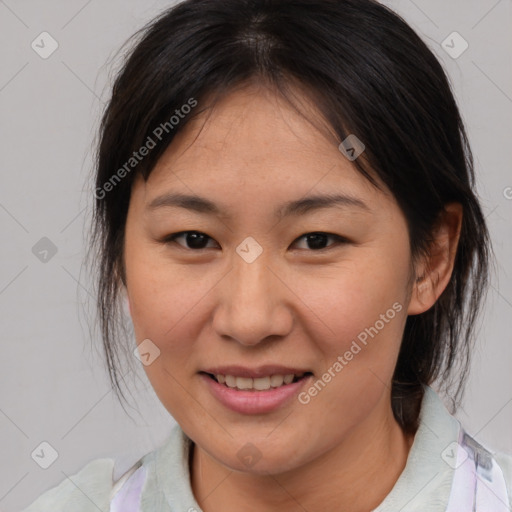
x: 433, y: 273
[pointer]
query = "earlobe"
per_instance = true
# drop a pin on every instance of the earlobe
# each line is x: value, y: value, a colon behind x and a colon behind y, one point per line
x: 423, y: 294
x: 435, y: 271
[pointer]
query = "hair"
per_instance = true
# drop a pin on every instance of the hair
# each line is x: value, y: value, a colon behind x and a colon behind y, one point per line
x: 367, y: 73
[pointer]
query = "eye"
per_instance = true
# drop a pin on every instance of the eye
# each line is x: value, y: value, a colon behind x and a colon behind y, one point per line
x: 193, y: 239
x: 196, y: 240
x: 317, y: 240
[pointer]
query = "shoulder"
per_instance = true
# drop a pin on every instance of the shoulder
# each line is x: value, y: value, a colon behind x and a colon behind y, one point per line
x: 88, y: 490
x: 459, y: 471
x: 484, y: 473
x: 504, y: 461
x: 94, y: 488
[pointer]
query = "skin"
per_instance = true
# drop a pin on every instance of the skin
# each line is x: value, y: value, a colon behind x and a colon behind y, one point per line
x: 294, y: 305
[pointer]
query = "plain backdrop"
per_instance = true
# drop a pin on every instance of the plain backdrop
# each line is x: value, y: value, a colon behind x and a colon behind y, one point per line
x: 54, y: 387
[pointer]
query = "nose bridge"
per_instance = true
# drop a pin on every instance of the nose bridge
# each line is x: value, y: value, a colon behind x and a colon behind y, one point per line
x: 252, y: 302
x: 251, y: 282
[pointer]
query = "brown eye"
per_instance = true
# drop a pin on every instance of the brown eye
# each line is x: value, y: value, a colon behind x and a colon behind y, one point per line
x: 194, y: 240
x: 318, y: 241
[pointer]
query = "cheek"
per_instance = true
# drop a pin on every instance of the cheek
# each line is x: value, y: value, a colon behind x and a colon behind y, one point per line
x: 149, y: 314
x: 361, y: 303
x: 159, y: 310
x: 163, y: 306
x: 169, y: 305
x: 157, y: 293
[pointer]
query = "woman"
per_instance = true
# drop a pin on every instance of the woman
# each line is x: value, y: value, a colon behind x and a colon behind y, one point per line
x: 241, y: 134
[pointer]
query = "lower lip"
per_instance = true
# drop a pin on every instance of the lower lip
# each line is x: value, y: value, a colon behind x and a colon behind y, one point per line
x: 254, y: 402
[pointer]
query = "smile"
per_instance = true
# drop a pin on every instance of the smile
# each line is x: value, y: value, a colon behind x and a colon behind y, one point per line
x: 257, y: 384
x: 255, y: 395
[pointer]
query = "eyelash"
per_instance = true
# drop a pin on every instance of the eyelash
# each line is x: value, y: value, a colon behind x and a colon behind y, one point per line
x: 338, y: 239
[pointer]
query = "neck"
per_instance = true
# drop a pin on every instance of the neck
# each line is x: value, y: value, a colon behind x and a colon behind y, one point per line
x: 356, y: 475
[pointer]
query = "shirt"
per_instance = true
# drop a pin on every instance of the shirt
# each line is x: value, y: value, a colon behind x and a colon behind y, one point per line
x: 162, y: 477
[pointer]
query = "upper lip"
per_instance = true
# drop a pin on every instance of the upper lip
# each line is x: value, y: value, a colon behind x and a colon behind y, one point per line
x: 254, y: 373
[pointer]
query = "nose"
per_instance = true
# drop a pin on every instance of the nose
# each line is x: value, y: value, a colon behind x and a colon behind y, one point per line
x: 254, y: 303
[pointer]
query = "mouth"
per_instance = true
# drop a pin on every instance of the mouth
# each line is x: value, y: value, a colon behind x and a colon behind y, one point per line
x: 264, y: 383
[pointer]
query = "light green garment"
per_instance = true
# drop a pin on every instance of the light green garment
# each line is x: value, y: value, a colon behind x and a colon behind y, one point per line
x: 424, y: 484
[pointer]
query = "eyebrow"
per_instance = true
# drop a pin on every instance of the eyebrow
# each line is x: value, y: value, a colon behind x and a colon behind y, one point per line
x: 298, y: 207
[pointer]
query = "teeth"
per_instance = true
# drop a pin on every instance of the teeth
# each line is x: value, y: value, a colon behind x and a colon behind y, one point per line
x: 243, y: 383
x: 230, y: 381
x: 259, y: 384
x: 288, y: 378
x: 277, y: 380
x: 262, y: 383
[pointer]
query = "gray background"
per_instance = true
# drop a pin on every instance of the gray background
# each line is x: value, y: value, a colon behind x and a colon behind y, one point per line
x: 54, y: 386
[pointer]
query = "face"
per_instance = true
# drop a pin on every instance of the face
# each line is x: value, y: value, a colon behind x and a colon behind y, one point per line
x: 320, y: 290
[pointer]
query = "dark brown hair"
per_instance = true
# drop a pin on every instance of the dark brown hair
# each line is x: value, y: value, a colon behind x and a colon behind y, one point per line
x: 368, y: 74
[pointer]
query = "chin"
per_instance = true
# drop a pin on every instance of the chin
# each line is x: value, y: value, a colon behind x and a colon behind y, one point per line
x: 260, y: 457
x: 263, y: 466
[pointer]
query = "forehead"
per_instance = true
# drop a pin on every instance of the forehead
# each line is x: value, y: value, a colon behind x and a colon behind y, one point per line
x: 254, y: 143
